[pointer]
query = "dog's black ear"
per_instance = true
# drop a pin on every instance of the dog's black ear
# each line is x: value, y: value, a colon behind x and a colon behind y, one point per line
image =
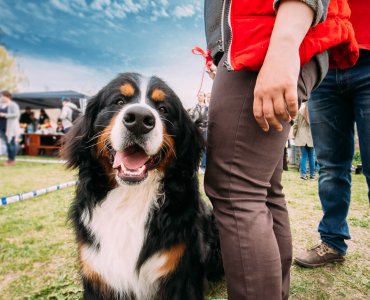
x: 77, y: 142
x: 190, y: 144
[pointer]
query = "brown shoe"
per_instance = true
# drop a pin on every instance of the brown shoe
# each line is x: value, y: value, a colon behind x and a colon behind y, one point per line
x: 9, y: 163
x: 318, y: 256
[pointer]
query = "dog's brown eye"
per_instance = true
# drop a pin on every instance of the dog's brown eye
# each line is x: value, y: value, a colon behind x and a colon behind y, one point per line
x: 120, y: 102
x: 162, y: 109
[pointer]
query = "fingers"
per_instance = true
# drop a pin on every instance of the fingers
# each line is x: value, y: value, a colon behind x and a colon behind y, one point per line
x: 291, y: 100
x: 280, y: 109
x: 211, y: 71
x: 270, y: 116
x: 270, y: 112
x: 276, y: 102
x: 258, y: 113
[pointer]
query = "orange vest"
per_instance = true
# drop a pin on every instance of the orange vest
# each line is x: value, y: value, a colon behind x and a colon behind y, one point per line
x: 252, y: 21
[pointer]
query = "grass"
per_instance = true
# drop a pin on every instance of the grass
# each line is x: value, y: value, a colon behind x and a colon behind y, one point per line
x: 38, y: 253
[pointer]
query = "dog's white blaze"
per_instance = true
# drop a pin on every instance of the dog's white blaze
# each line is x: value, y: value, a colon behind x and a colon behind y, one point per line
x: 118, y: 225
x: 154, y: 138
x: 143, y: 89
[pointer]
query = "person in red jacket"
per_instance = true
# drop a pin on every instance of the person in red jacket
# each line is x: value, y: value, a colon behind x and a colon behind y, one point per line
x: 342, y: 100
x: 275, y: 53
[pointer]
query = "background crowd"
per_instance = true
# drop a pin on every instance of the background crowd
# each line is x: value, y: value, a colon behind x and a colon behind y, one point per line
x: 14, y: 124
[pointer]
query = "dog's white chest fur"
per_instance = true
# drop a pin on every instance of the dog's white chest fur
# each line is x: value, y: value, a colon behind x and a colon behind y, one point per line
x: 118, y: 226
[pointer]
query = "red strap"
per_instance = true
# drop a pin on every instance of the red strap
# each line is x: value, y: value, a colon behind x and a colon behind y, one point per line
x: 207, y: 55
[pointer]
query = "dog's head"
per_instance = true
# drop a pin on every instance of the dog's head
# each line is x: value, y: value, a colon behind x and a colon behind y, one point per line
x: 133, y: 126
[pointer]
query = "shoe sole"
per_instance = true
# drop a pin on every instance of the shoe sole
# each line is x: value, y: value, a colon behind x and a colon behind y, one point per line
x: 307, y: 265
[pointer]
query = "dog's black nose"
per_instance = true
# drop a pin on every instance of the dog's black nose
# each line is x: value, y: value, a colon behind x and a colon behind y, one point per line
x: 139, y: 120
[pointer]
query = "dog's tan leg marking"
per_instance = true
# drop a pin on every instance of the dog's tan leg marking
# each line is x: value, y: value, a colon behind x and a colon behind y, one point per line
x: 173, y: 256
x: 89, y: 274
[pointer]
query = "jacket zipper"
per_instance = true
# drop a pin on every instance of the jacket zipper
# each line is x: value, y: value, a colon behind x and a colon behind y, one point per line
x: 227, y: 62
x: 221, y: 43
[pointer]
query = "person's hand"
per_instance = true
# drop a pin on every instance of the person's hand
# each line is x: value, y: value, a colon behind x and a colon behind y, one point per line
x: 2, y: 115
x: 275, y: 93
x: 212, y: 71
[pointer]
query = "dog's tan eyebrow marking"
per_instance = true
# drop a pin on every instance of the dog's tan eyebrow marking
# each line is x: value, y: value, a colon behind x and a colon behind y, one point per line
x: 158, y: 95
x: 127, y: 90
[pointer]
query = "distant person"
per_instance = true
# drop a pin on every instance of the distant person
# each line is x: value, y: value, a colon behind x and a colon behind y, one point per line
x: 25, y: 117
x: 43, y: 116
x: 32, y: 127
x: 303, y: 140
x: 9, y: 126
x: 46, y: 127
x: 60, y: 128
x: 199, y: 115
x: 67, y: 113
x: 208, y: 98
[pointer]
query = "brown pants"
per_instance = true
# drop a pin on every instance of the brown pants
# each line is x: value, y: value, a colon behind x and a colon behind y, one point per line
x: 243, y: 181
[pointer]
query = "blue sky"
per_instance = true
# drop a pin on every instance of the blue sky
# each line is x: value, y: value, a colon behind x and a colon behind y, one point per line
x: 82, y: 44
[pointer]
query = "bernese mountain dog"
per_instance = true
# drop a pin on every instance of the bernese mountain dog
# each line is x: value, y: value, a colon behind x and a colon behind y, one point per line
x: 142, y: 230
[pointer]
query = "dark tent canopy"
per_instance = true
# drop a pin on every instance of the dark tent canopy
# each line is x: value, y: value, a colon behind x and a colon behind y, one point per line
x: 47, y: 99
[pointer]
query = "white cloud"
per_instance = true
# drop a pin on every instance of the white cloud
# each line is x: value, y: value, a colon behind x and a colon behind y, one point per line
x: 62, y: 5
x: 184, y: 11
x: 100, y: 4
x: 6, y: 12
x: 15, y: 30
x: 184, y: 78
x: 159, y: 13
x: 6, y: 30
x: 40, y: 12
x: 121, y: 9
x: 62, y: 74
x: 131, y: 7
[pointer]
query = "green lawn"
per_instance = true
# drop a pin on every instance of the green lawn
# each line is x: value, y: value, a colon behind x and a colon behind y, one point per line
x: 38, y: 256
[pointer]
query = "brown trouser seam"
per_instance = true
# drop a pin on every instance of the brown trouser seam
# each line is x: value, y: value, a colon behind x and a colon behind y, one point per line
x: 231, y: 202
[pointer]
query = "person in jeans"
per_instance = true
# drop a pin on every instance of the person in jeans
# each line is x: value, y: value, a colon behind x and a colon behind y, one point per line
x: 342, y: 100
x: 303, y: 140
x: 253, y: 102
x: 9, y: 125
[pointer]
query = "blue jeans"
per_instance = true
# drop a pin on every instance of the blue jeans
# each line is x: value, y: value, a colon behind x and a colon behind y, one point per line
x: 342, y: 100
x: 204, y: 158
x: 11, y: 147
x: 307, y: 152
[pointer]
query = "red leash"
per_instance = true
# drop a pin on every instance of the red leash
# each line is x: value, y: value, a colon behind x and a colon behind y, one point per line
x: 208, y: 58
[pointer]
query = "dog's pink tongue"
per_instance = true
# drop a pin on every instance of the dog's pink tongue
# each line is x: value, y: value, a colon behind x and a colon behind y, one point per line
x: 132, y: 158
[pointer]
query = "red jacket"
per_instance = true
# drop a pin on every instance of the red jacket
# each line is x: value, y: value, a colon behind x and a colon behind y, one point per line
x: 360, y: 12
x: 252, y: 21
